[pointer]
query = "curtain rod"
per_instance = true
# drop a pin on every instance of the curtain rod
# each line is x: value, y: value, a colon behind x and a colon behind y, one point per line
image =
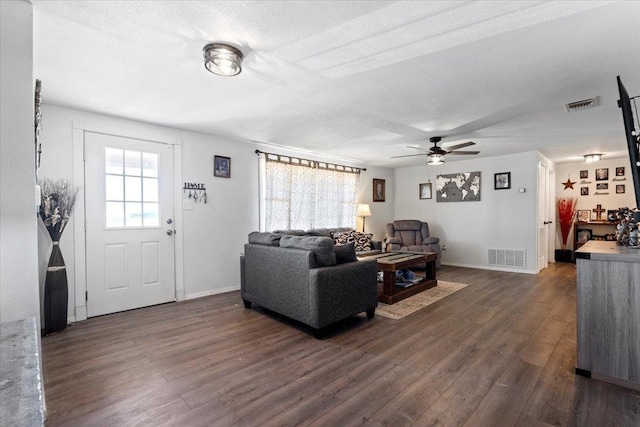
x: 309, y: 163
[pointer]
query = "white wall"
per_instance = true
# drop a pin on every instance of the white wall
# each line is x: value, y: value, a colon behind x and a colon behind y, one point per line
x: 608, y: 201
x: 381, y: 212
x: 18, y: 242
x: 502, y: 219
x: 214, y: 234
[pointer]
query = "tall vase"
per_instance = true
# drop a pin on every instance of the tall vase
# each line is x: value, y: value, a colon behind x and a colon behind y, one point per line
x: 56, y: 293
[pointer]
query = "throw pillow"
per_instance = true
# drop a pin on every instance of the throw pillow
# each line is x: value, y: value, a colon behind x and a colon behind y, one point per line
x: 361, y: 241
x: 322, y: 247
x: 346, y: 253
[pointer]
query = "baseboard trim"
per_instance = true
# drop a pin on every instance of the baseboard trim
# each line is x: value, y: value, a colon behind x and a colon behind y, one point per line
x: 209, y: 293
x: 486, y: 267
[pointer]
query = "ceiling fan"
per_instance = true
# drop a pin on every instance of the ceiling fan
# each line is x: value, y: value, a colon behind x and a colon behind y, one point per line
x: 435, y: 156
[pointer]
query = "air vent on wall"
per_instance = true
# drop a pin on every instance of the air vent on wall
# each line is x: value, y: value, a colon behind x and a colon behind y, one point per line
x: 581, y: 105
x: 507, y: 257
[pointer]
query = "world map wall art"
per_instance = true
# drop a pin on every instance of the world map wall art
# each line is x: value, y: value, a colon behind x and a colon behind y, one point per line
x: 458, y: 187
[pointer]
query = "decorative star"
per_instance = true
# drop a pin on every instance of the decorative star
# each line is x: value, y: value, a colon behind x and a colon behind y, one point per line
x: 569, y: 183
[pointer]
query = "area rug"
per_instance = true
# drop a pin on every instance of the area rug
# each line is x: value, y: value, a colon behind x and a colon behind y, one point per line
x: 416, y: 302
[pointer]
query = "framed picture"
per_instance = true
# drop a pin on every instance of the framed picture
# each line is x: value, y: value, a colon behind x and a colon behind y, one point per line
x: 502, y: 181
x: 620, y: 171
x: 620, y: 189
x: 584, y: 174
x: 378, y: 190
x: 584, y: 191
x: 612, y: 215
x: 425, y: 191
x: 222, y: 166
x: 584, y: 216
x: 602, y: 174
x: 602, y: 186
x: 584, y: 235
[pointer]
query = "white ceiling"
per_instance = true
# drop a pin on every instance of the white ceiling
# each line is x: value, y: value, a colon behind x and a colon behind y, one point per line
x: 355, y: 80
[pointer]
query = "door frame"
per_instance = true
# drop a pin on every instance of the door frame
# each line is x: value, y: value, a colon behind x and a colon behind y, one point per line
x: 548, y: 198
x: 79, y: 129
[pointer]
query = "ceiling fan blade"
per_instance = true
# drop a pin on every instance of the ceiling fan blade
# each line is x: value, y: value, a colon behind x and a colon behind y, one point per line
x: 418, y: 148
x: 409, y: 155
x: 458, y: 146
x: 463, y: 152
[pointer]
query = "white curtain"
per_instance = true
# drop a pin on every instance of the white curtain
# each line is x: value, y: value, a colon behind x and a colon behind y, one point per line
x: 300, y: 197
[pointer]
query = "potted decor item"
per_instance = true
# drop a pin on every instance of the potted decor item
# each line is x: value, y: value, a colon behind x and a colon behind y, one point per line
x: 566, y: 218
x: 57, y: 199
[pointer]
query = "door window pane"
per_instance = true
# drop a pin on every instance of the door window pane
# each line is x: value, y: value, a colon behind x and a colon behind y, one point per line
x: 114, y: 187
x: 132, y: 189
x: 151, y: 217
x: 132, y: 163
x: 149, y: 190
x: 113, y: 161
x: 133, y: 214
x: 150, y: 164
x: 115, y: 214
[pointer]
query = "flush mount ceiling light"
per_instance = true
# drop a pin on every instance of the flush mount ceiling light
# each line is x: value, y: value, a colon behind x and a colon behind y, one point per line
x: 592, y: 157
x: 435, y: 159
x: 222, y: 59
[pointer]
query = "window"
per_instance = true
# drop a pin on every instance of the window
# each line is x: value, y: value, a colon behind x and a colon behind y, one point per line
x: 131, y: 189
x: 303, y: 194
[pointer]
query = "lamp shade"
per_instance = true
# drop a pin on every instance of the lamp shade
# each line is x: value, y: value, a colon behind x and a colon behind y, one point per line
x: 363, y: 210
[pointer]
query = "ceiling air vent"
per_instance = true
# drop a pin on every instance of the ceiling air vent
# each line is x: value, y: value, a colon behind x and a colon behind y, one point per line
x: 581, y: 105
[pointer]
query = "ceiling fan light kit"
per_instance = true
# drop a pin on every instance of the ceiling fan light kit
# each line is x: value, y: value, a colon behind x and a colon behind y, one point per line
x: 222, y: 59
x: 435, y: 159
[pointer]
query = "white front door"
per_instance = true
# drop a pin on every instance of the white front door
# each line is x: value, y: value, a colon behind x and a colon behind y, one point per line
x: 129, y: 223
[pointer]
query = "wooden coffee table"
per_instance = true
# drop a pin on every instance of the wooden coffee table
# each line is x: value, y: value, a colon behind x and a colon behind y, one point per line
x: 389, y: 262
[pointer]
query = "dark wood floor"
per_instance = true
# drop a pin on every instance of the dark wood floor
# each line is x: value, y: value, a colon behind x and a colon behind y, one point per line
x: 500, y: 352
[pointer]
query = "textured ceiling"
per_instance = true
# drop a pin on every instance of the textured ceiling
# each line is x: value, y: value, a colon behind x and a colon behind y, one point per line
x: 354, y: 80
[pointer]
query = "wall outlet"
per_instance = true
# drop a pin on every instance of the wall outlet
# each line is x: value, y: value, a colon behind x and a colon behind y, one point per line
x: 444, y: 247
x: 187, y: 204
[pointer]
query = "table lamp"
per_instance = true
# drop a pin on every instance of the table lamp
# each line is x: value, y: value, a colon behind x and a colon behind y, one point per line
x: 363, y: 211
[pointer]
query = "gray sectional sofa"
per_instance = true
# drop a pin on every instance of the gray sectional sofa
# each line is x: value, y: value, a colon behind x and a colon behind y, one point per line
x: 300, y: 278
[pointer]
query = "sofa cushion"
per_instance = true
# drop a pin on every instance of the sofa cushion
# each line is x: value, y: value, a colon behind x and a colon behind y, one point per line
x: 269, y: 239
x: 345, y: 253
x: 361, y: 241
x: 322, y: 232
x: 290, y: 232
x: 322, y: 247
x: 407, y: 224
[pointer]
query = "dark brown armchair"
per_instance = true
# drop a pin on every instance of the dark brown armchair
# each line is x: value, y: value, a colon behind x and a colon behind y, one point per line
x: 412, y: 235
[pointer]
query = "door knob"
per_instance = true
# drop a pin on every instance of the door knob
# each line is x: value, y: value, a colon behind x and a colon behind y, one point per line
x: 548, y: 222
x: 169, y: 221
x: 170, y: 232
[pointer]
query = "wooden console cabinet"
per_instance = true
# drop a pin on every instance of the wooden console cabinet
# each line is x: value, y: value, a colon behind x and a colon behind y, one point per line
x: 608, y: 313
